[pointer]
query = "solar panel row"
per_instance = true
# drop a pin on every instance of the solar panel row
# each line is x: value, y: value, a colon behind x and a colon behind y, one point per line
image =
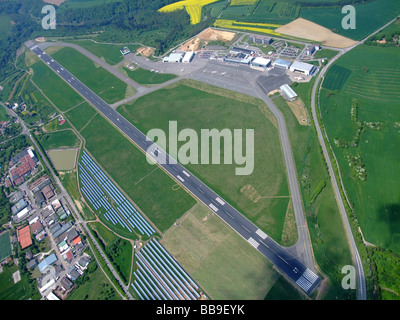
x: 124, y: 207
x: 160, y: 277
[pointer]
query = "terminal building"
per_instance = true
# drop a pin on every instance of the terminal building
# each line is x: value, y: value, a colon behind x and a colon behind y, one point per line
x: 282, y: 64
x: 241, y: 58
x: 306, y: 68
x: 174, y: 58
x: 237, y: 50
x: 260, y: 63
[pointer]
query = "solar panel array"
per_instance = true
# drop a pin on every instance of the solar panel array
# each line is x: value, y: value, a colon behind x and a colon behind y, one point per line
x: 160, y: 277
x: 92, y: 177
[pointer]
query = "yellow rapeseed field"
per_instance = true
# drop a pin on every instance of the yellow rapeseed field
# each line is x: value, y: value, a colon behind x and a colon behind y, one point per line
x: 193, y: 8
x: 242, y: 2
x: 248, y: 26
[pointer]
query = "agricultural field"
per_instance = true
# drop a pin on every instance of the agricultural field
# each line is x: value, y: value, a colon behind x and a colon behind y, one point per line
x: 109, y: 52
x: 152, y: 190
x: 100, y: 81
x: 242, y: 2
x: 248, y: 26
x: 193, y: 8
x: 218, y: 258
x: 263, y: 203
x: 370, y: 17
x: 362, y: 121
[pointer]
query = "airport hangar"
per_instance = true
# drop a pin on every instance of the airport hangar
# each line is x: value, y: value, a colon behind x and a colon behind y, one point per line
x: 306, y: 68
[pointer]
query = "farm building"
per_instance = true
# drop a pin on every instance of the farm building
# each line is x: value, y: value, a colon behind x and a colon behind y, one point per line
x: 174, y: 58
x: 260, y: 63
x: 280, y: 63
x: 188, y: 57
x: 288, y: 93
x: 302, y: 67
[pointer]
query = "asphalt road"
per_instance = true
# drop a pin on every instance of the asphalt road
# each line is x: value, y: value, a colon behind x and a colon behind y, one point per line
x: 288, y: 264
x: 361, y: 284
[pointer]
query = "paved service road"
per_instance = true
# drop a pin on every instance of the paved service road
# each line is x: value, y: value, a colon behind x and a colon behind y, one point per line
x: 288, y: 264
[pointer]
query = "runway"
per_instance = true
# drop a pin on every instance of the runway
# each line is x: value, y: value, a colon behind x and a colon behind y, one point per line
x: 288, y: 264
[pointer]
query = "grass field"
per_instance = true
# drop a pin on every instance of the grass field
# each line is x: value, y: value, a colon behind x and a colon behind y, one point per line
x: 3, y: 114
x: 263, y: 195
x: 323, y: 217
x: 109, y: 52
x: 222, y: 262
x: 100, y: 81
x: 96, y: 288
x: 81, y: 115
x: 373, y: 86
x: 10, y: 291
x: 153, y: 191
x: 120, y: 254
x: 63, y: 96
x: 59, y: 139
x: 5, y: 246
x: 147, y: 77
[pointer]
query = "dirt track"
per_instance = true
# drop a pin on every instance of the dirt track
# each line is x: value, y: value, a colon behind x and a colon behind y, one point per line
x: 211, y: 34
x: 302, y: 28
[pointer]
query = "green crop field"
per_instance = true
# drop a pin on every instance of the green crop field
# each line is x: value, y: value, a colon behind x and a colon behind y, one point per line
x: 336, y: 78
x: 263, y: 195
x: 153, y: 191
x: 100, y: 81
x: 221, y: 261
x: 370, y: 141
x: 370, y: 16
x: 109, y: 52
x: 147, y: 77
x: 59, y: 139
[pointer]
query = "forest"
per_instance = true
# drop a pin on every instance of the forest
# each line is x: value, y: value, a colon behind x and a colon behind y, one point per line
x: 135, y: 21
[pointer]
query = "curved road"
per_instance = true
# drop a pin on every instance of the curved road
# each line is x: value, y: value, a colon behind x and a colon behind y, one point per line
x: 362, y: 291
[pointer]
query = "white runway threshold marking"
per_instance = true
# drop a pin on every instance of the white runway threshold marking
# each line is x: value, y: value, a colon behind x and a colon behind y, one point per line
x: 185, y: 173
x: 253, y: 242
x: 261, y: 234
x: 220, y: 200
x: 180, y: 178
x: 213, y: 207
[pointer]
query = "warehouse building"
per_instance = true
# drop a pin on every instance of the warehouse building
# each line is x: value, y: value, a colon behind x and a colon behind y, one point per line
x: 306, y: 68
x: 188, y: 57
x: 282, y: 64
x: 288, y: 93
x: 260, y: 63
x: 174, y: 58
